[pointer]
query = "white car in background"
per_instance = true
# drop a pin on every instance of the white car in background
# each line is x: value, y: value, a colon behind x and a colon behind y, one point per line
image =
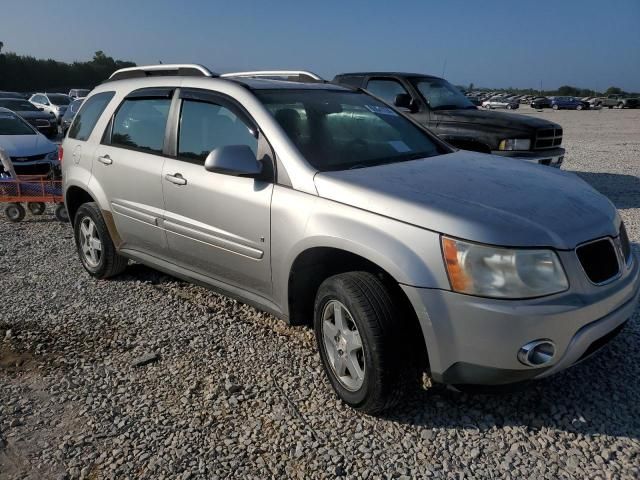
x: 55, y: 103
x: 30, y: 152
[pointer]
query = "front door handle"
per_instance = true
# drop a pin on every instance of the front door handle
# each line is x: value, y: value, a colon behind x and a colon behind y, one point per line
x: 176, y: 179
x: 106, y: 159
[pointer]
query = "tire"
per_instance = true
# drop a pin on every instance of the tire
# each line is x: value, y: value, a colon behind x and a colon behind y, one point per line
x: 621, y: 106
x: 509, y: 107
x: 579, y: 107
x: 89, y: 225
x: 14, y: 212
x: 610, y: 107
x: 61, y: 213
x: 36, y: 208
x: 369, y: 309
x: 555, y: 107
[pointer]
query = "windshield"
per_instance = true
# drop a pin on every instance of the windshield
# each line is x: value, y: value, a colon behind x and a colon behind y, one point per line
x: 59, y: 99
x: 338, y: 130
x: 10, y: 124
x: 75, y: 105
x: 441, y: 95
x: 18, y: 105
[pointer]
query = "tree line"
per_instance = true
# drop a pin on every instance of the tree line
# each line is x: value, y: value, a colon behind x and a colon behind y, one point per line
x: 21, y: 73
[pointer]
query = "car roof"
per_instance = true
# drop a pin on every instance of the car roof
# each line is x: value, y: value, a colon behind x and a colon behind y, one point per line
x: 388, y: 74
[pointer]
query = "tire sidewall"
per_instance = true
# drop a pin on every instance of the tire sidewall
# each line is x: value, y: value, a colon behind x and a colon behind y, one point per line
x: 326, y: 293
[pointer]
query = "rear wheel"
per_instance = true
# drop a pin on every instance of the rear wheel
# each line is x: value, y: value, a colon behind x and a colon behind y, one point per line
x: 96, y: 249
x: 36, y: 208
x: 358, y: 332
x: 14, y: 212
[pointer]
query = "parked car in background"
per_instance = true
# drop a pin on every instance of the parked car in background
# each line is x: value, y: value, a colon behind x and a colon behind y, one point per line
x: 540, y: 102
x: 31, y: 152
x: 500, y: 103
x: 45, y: 122
x: 567, y: 103
x: 78, y: 93
x: 340, y: 212
x: 618, y: 101
x: 70, y: 114
x: 4, y: 94
x: 440, y: 107
x: 55, y: 103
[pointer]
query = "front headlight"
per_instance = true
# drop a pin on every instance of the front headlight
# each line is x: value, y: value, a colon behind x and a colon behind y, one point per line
x: 515, y: 144
x: 52, y: 155
x: 489, y: 271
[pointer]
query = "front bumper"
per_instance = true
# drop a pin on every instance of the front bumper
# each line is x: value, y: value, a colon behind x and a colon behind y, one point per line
x: 474, y: 340
x: 551, y: 157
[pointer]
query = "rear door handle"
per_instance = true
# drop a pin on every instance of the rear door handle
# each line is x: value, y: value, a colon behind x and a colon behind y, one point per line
x: 106, y: 159
x: 176, y: 179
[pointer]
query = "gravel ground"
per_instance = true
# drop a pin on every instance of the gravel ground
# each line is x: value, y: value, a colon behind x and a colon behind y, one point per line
x: 145, y: 376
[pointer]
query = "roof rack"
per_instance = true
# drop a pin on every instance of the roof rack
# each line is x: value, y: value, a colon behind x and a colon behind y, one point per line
x: 162, y: 70
x: 290, y: 75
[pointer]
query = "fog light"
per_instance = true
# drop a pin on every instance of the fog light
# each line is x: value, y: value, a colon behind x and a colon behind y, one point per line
x: 537, y: 353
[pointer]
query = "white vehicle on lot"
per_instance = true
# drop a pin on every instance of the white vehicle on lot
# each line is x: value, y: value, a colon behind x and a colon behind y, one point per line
x: 55, y: 103
x: 326, y: 206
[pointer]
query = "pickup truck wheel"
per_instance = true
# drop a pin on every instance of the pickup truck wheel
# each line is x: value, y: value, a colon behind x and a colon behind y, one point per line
x: 14, y: 212
x: 621, y: 106
x: 96, y: 249
x: 357, y: 331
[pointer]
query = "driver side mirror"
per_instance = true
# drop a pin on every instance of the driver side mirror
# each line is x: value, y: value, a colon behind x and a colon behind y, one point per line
x: 404, y: 100
x: 236, y: 160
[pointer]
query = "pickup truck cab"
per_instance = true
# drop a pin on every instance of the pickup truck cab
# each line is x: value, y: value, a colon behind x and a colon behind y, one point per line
x: 441, y: 107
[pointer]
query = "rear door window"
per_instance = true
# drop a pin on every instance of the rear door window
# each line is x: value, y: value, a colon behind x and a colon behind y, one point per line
x: 88, y: 115
x: 140, y: 124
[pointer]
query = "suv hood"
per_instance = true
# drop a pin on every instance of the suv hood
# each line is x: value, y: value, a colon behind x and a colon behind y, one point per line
x: 493, y: 119
x: 479, y: 197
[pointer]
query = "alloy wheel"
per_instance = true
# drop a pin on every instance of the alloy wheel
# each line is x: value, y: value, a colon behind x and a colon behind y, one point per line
x: 90, y: 242
x: 343, y: 345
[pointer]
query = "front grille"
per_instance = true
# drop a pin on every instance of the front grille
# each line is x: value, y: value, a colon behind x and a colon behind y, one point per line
x: 625, y: 245
x: 548, y: 138
x: 599, y: 260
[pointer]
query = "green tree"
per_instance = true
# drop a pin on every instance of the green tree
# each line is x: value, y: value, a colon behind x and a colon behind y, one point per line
x: 613, y: 91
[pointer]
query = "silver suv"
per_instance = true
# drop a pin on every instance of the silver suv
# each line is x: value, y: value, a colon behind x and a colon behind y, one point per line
x: 326, y: 206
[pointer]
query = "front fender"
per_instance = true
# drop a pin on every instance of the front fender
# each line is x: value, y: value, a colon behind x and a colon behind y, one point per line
x: 411, y: 255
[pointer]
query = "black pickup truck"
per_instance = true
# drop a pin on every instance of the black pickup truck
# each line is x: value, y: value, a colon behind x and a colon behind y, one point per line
x: 441, y: 107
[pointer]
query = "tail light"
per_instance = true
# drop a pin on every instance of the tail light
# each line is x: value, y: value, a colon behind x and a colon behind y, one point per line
x: 60, y: 153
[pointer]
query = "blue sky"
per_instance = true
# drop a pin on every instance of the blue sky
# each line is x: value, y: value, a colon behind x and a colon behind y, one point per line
x: 523, y: 43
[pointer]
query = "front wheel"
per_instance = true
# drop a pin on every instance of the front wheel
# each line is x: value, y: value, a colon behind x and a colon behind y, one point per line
x: 357, y: 331
x: 579, y: 107
x: 555, y: 107
x: 96, y: 249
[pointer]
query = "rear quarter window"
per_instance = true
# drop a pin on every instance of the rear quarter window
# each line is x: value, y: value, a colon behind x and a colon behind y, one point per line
x: 88, y: 116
